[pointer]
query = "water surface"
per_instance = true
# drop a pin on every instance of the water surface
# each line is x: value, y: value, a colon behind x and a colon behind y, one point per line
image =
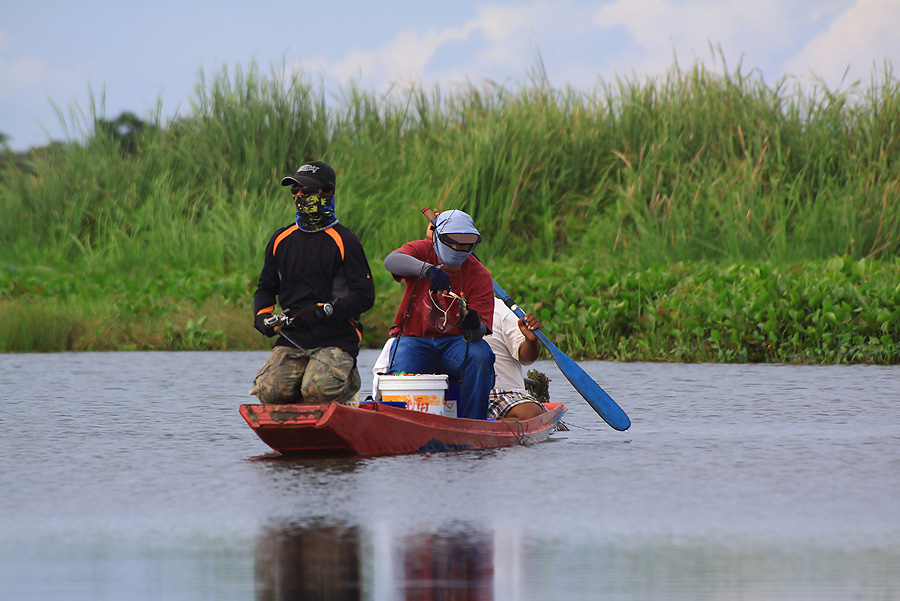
x: 132, y: 475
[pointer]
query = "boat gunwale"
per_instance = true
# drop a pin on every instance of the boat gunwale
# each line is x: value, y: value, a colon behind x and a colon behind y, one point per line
x: 341, y: 421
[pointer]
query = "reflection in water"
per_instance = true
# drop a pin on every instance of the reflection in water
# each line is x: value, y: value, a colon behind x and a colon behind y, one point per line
x: 454, y: 566
x: 462, y: 561
x: 330, y: 563
x: 308, y: 563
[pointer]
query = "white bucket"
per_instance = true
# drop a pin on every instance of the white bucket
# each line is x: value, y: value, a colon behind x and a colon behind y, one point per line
x: 421, y: 392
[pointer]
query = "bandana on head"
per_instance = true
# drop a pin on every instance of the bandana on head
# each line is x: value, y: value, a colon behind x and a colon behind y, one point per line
x: 452, y: 222
x: 315, y: 212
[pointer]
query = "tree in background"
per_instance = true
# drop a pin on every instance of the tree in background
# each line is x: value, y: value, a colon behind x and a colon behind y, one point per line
x: 126, y: 129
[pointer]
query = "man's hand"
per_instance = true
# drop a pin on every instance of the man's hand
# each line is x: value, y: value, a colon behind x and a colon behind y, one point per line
x: 528, y: 325
x: 259, y: 322
x: 440, y: 281
x: 531, y: 348
x: 310, y: 315
x: 471, y: 321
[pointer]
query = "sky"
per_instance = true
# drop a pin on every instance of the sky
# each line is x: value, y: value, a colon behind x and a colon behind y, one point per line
x: 57, y: 57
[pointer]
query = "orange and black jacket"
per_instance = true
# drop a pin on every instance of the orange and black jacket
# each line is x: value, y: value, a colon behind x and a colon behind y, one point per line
x: 328, y: 266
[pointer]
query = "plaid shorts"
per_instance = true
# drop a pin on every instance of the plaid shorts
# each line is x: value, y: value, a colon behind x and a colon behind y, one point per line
x: 501, y: 401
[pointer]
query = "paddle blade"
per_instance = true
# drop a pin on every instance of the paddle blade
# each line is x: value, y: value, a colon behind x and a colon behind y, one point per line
x: 596, y: 397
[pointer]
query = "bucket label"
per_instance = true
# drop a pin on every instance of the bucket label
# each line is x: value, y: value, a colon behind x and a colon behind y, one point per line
x: 423, y: 392
x: 428, y: 403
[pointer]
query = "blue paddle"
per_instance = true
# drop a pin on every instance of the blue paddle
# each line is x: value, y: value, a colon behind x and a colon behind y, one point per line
x: 596, y: 397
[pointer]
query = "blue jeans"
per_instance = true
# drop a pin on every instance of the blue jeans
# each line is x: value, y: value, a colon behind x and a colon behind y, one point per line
x: 469, y: 363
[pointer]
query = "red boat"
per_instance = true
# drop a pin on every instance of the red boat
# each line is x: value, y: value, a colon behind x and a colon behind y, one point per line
x: 380, y: 429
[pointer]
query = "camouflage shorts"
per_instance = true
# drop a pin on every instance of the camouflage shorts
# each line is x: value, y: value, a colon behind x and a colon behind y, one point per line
x: 320, y: 376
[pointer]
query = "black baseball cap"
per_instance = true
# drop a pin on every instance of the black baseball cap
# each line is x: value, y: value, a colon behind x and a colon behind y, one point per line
x: 315, y: 174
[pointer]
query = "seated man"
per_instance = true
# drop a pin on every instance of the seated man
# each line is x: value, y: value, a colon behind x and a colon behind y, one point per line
x: 435, y: 333
x: 514, y: 345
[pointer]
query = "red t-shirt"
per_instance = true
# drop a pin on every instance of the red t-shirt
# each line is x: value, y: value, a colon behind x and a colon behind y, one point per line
x: 431, y: 314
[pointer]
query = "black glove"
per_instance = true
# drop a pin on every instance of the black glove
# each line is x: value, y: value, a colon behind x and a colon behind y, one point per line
x: 440, y: 281
x: 310, y: 315
x: 259, y: 324
x: 471, y: 321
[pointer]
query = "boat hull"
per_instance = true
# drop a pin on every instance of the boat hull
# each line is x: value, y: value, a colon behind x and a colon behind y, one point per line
x: 378, y: 429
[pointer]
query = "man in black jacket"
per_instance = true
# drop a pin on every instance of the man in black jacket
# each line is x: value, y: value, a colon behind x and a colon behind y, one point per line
x: 318, y: 271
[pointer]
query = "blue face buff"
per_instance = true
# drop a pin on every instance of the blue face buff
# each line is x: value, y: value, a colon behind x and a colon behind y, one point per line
x: 455, y: 227
x: 449, y: 256
x: 315, y: 212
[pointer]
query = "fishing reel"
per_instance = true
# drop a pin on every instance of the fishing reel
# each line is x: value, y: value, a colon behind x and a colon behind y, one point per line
x: 277, y: 321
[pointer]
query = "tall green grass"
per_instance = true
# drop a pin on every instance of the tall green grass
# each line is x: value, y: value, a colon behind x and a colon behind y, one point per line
x: 728, y: 168
x: 694, y: 166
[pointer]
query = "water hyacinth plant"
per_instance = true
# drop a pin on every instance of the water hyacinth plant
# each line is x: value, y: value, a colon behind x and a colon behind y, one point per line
x: 833, y: 311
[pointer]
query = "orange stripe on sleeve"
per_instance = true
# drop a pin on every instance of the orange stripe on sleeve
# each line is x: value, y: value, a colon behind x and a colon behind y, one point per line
x: 266, y: 310
x: 284, y: 235
x: 337, y: 240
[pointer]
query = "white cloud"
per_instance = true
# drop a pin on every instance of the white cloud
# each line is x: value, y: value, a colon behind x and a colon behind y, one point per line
x: 662, y: 29
x: 18, y: 75
x: 501, y: 41
x: 405, y: 56
x: 33, y: 90
x: 22, y: 74
x: 30, y: 77
x: 860, y: 39
x: 501, y: 24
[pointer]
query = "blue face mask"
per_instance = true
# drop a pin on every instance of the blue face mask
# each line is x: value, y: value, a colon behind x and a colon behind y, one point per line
x: 456, y: 227
x: 315, y: 212
x: 449, y: 256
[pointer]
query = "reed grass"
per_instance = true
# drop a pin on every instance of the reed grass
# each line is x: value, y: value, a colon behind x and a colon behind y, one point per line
x: 695, y: 167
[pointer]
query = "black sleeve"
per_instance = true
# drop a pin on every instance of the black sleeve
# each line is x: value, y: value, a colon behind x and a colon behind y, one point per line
x: 269, y: 282
x: 361, y: 289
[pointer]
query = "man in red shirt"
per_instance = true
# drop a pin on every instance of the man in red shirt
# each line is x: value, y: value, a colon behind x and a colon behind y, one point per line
x: 435, y: 334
